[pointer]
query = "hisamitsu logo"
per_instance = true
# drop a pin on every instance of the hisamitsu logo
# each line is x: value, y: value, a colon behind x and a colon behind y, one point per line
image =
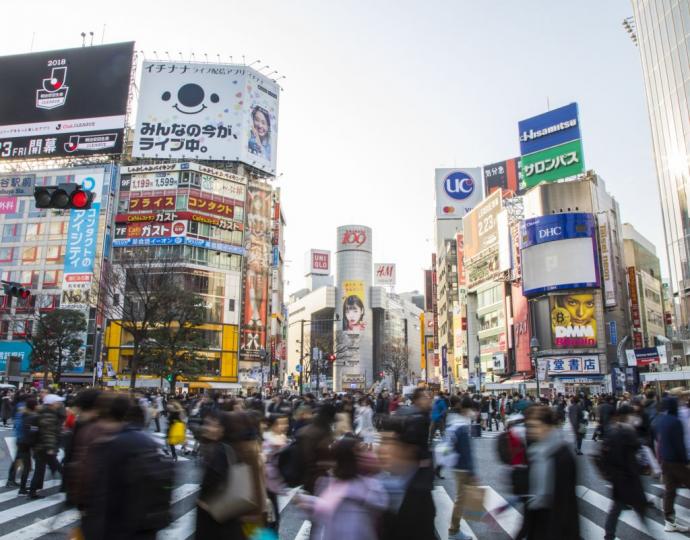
x: 458, y: 185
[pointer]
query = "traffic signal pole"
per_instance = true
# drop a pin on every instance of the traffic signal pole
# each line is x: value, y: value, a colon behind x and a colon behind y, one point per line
x: 301, y: 355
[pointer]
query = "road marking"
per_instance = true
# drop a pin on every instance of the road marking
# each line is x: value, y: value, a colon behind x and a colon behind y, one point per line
x: 444, y: 512
x: 9, y: 495
x: 589, y: 529
x: 32, y: 506
x: 182, y: 527
x: 304, y: 530
x: 655, y: 530
x: 682, y: 512
x: 682, y: 492
x: 284, y: 500
x: 11, y: 443
x: 508, y: 518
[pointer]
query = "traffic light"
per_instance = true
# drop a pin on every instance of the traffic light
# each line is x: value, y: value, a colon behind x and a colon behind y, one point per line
x: 382, y: 375
x: 15, y: 289
x: 331, y: 357
x: 63, y: 197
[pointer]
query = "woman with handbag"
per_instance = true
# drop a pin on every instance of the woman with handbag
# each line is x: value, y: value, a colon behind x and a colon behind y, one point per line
x: 232, y: 496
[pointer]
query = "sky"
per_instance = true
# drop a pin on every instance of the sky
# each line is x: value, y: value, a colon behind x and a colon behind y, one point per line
x: 379, y: 93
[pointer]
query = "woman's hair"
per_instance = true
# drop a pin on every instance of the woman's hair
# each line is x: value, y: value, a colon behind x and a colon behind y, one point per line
x: 540, y: 413
x: 345, y: 455
x: 352, y: 301
x: 260, y: 110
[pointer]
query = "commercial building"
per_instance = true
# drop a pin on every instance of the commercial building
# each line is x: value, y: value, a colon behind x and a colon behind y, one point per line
x: 662, y: 31
x: 371, y: 331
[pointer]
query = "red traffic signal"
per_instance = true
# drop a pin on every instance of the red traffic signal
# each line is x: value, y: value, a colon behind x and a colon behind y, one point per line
x: 331, y: 357
x: 63, y: 197
x: 16, y: 290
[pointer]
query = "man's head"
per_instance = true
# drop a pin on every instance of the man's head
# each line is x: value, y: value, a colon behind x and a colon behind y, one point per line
x: 421, y: 399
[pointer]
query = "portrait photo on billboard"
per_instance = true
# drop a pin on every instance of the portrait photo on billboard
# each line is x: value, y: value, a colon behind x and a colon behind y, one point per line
x: 354, y: 307
x: 66, y: 102
x: 573, y: 320
x: 262, y: 122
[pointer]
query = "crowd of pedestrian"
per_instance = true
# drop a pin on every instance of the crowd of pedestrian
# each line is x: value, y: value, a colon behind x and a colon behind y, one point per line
x: 359, y: 465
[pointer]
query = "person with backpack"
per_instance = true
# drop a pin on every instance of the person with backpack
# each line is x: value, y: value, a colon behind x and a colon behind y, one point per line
x: 25, y: 440
x: 620, y: 463
x: 461, y: 459
x: 128, y: 492
x: 439, y: 409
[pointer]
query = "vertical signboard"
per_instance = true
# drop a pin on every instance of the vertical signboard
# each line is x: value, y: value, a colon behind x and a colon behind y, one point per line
x: 460, y: 249
x: 635, y: 315
x: 606, y: 259
x: 257, y: 265
x: 504, y: 175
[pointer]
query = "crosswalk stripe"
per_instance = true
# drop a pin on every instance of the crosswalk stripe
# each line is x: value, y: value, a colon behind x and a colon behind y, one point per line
x: 508, y: 518
x: 182, y: 527
x: 9, y: 495
x: 681, y: 512
x: 682, y: 492
x: 11, y: 443
x: 304, y: 530
x: 32, y: 506
x: 444, y: 512
x: 284, y: 500
x: 68, y: 517
x: 589, y: 529
x: 655, y: 529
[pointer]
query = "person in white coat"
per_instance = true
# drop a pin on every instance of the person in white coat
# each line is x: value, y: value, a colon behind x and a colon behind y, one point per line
x: 364, y: 422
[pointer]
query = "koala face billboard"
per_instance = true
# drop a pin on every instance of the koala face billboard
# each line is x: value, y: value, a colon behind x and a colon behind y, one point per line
x: 218, y: 112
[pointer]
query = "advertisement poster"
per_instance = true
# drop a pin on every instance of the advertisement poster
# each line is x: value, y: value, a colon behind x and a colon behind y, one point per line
x: 69, y: 102
x: 457, y: 192
x: 221, y: 112
x: 549, y: 129
x: 503, y: 175
x: 606, y: 262
x: 553, y: 163
x: 353, y: 307
x: 258, y: 253
x: 573, y: 320
x: 384, y: 274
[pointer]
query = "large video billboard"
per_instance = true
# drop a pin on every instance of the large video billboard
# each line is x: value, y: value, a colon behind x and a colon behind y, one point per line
x: 69, y: 102
x: 354, y: 302
x: 219, y: 112
x: 457, y: 192
x: 559, y: 251
x: 573, y: 320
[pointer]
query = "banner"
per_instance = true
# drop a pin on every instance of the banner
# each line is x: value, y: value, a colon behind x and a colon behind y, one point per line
x: 573, y: 320
x: 354, y: 300
x: 220, y: 112
x: 69, y: 102
x: 573, y: 365
x: 606, y: 261
x: 384, y: 274
x: 258, y: 246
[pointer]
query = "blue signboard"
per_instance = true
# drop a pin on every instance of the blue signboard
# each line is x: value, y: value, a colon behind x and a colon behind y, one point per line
x: 178, y: 240
x: 549, y: 129
x: 553, y: 227
x: 82, y: 234
x: 613, y: 333
x: 15, y: 348
x: 444, y: 361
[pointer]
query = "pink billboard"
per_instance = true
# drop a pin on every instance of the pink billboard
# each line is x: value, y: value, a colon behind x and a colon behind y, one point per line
x: 8, y: 205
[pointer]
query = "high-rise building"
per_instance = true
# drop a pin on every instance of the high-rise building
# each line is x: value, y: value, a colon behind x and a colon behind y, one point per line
x: 662, y: 31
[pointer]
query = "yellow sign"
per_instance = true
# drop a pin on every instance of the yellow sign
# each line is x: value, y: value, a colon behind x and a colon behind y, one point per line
x: 353, y: 307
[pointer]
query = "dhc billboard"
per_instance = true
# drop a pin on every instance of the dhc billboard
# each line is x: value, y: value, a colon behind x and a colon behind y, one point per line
x: 549, y: 129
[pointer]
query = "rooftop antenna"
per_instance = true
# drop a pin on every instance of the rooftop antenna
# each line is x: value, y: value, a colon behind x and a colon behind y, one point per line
x: 281, y: 77
x: 254, y: 62
x: 103, y: 35
x: 91, y: 34
x: 181, y: 57
x: 155, y: 53
x: 231, y: 59
x: 264, y: 67
x: 218, y: 56
x: 168, y: 54
x: 193, y: 57
x: 631, y: 28
x: 83, y: 39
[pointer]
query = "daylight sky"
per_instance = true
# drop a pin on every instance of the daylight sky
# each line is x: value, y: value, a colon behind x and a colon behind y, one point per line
x: 379, y: 93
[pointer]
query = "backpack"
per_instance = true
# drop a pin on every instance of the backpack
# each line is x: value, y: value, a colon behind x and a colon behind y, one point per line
x: 291, y: 465
x: 151, y: 478
x: 503, y: 447
x: 445, y: 453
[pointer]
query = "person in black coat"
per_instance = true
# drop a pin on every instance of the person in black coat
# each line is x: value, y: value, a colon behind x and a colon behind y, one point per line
x: 620, y: 448
x: 577, y: 422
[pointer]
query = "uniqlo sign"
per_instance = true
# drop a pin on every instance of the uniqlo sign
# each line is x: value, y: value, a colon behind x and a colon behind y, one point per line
x: 320, y: 262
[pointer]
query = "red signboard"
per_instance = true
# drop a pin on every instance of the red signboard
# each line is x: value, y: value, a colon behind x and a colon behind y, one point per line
x: 160, y: 202
x: 206, y: 204
x: 634, y: 299
x: 150, y: 230
x: 168, y: 216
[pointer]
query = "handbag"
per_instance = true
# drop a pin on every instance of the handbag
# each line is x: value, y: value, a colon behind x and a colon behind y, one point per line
x: 238, y: 496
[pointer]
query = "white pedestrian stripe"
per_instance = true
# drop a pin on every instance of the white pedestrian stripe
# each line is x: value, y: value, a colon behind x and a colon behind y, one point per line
x: 444, y: 512
x: 681, y: 512
x: 32, y: 506
x: 304, y: 530
x: 284, y: 500
x: 180, y: 528
x: 11, y: 443
x: 508, y: 518
x: 656, y: 530
x: 589, y: 529
x: 9, y: 495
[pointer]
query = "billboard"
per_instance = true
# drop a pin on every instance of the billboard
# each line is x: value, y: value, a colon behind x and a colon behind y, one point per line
x: 606, y: 262
x: 319, y: 262
x: 149, y: 203
x: 17, y: 184
x: 457, y: 191
x: 480, y: 226
x: 558, y: 251
x: 384, y: 274
x: 553, y: 163
x: 221, y: 112
x: 503, y: 175
x: 549, y: 129
x: 573, y: 320
x: 354, y: 238
x: 69, y: 102
x: 573, y: 365
x: 258, y: 247
x: 354, y: 302
x: 634, y: 298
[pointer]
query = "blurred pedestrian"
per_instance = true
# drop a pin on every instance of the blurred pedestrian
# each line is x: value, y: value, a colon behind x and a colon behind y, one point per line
x: 176, y: 433
x: 364, y: 422
x: 25, y: 441
x: 274, y: 440
x: 6, y: 406
x: 50, y: 420
x: 578, y: 423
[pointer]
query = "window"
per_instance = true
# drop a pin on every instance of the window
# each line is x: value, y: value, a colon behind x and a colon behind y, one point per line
x: 52, y: 279
x: 7, y: 255
x: 33, y: 232
x: 11, y: 232
x: 238, y: 213
x: 47, y: 302
x: 29, y: 278
x: 181, y: 202
x: 55, y: 254
x: 31, y: 254
x: 57, y: 230
x: 21, y: 206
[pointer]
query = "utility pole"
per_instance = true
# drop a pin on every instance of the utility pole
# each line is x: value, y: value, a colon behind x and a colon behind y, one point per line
x: 301, y: 355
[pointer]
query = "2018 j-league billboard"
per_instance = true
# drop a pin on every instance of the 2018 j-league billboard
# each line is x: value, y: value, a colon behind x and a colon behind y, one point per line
x: 68, y: 102
x: 218, y: 112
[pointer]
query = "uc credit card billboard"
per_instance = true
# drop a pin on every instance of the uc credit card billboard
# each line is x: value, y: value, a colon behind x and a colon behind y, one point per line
x: 549, y: 129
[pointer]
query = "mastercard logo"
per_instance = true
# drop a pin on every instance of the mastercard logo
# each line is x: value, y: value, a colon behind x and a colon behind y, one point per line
x: 448, y: 209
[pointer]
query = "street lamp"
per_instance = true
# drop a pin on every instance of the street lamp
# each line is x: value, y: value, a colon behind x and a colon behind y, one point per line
x: 478, y: 371
x: 534, y: 347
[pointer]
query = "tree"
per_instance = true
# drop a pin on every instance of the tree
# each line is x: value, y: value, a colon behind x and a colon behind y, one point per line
x: 175, y: 344
x: 135, y: 293
x: 394, y: 360
x: 57, y: 341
